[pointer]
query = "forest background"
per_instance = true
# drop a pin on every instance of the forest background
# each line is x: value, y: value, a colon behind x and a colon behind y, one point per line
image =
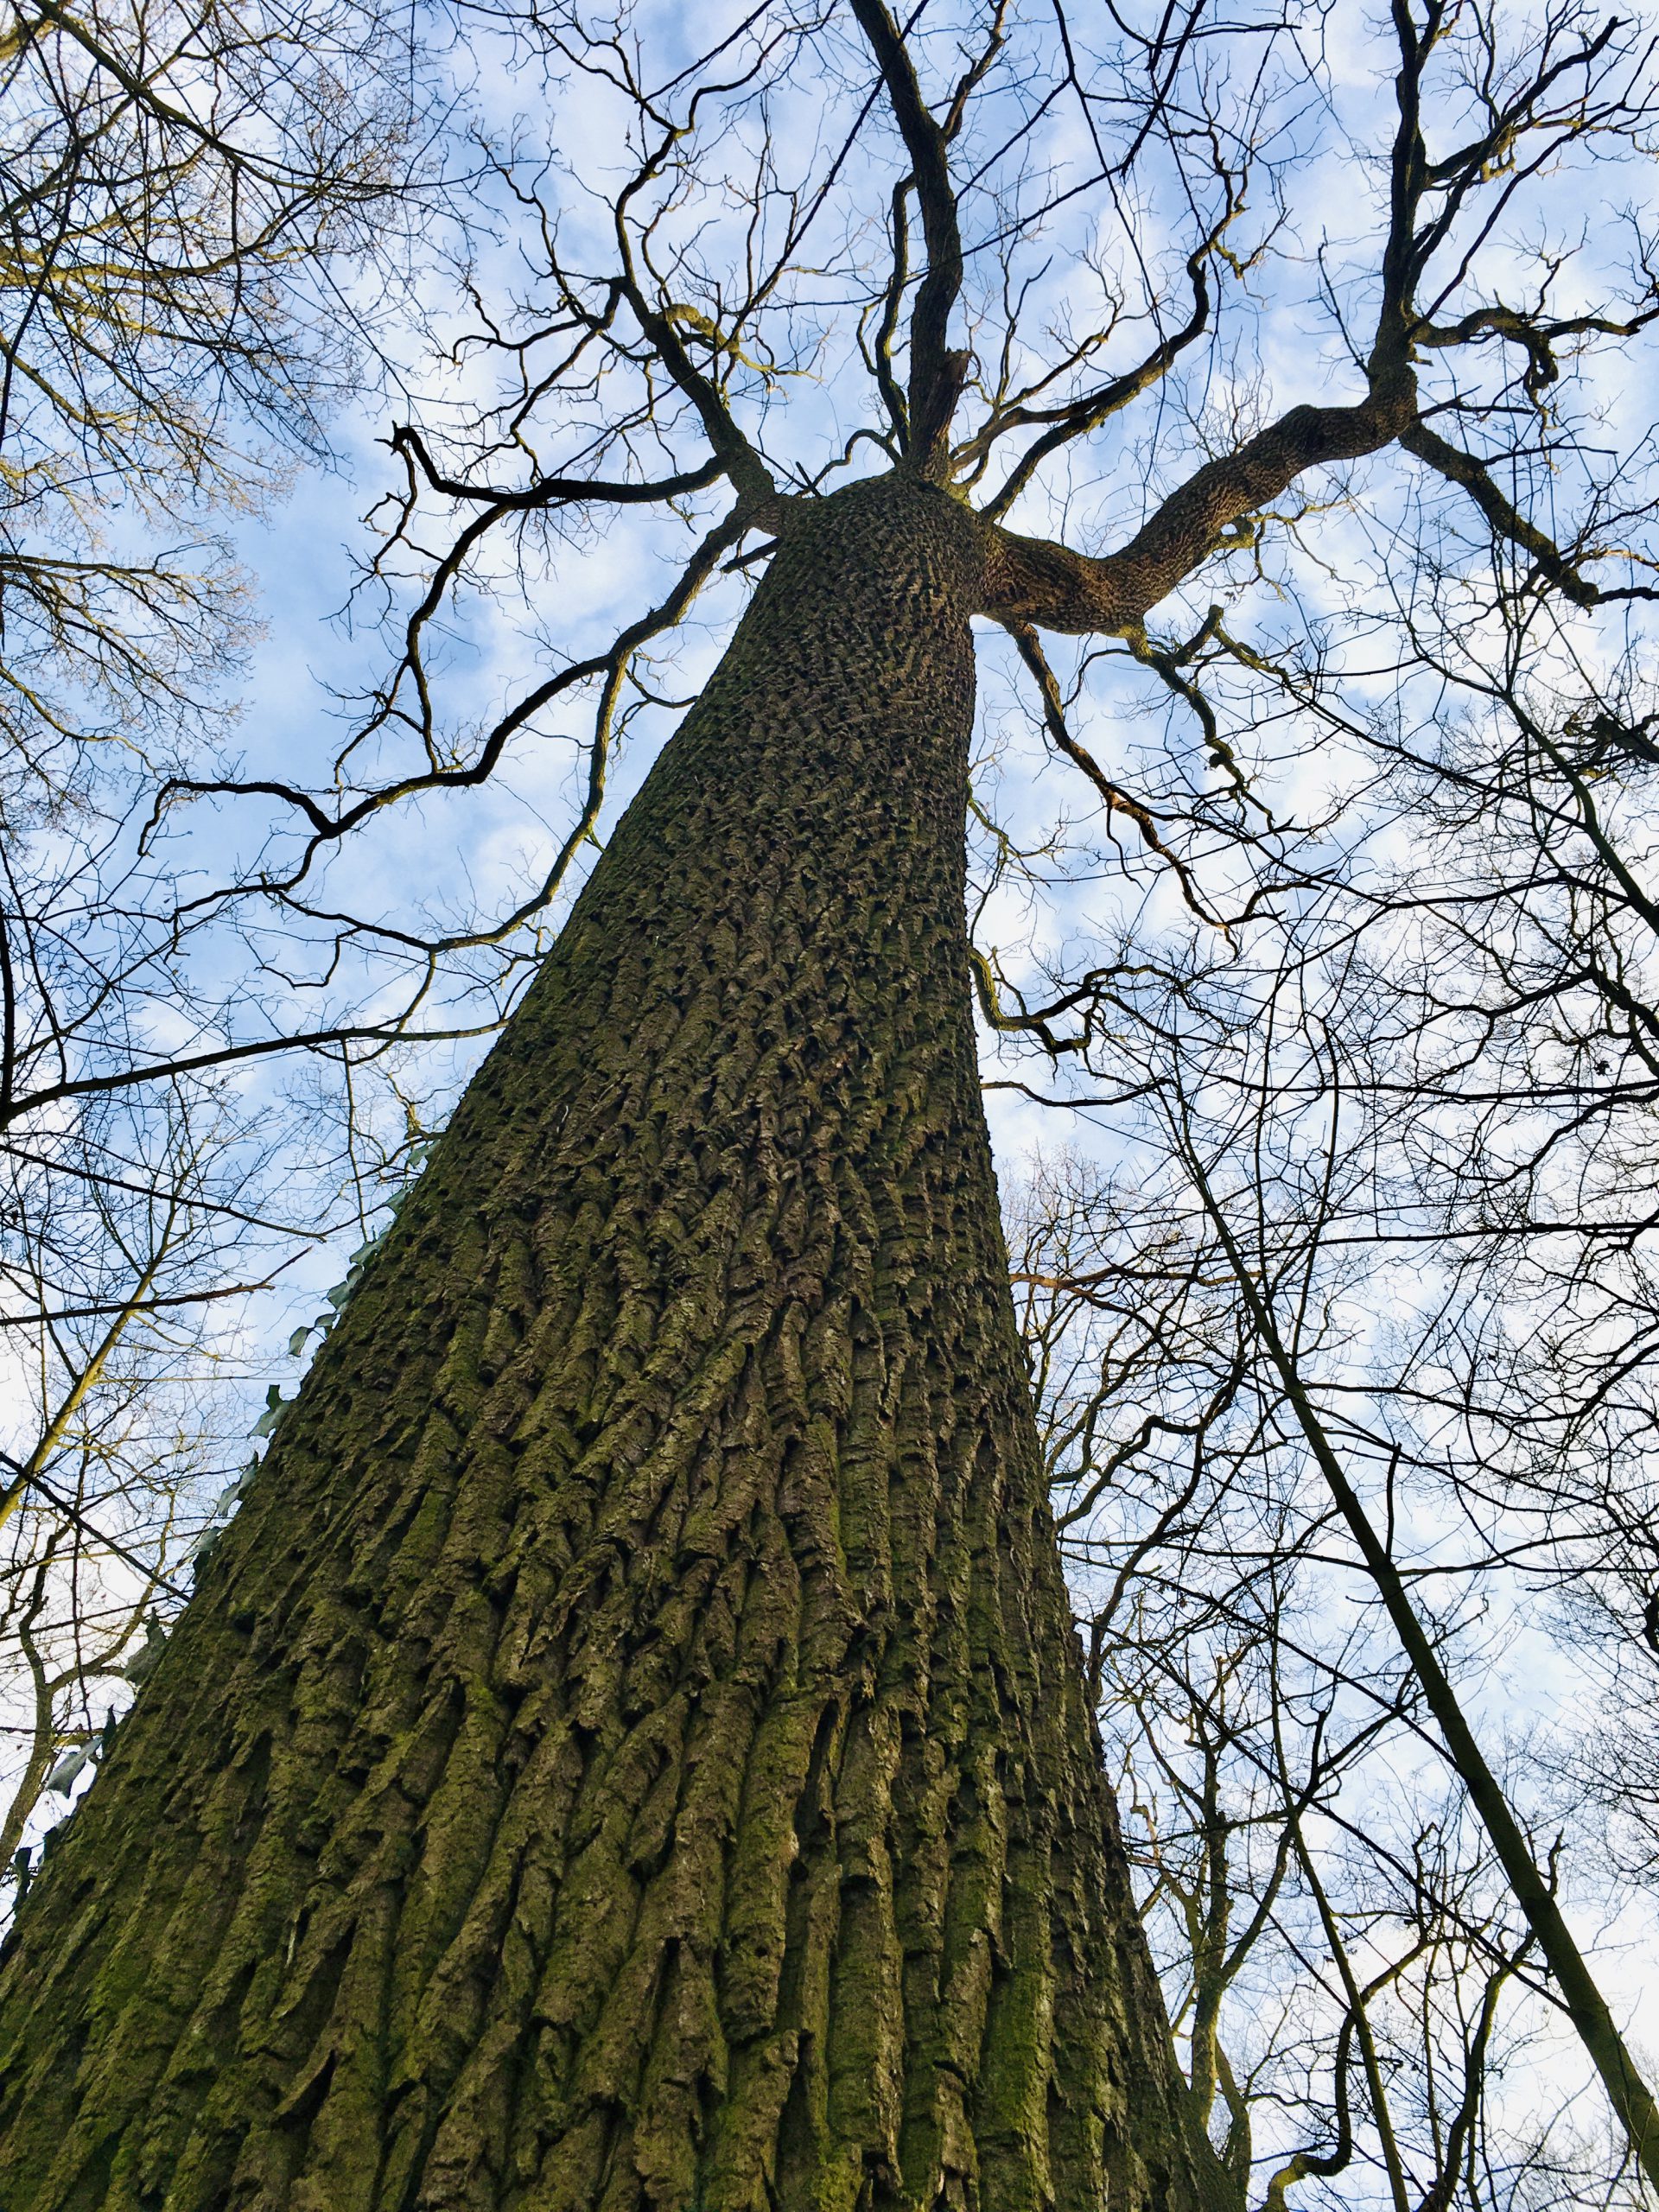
x: 1318, y: 1000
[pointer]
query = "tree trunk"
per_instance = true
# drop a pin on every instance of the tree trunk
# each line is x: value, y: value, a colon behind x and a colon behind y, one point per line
x: 630, y: 1749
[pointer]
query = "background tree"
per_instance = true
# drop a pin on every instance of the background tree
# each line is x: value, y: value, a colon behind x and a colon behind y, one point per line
x: 1355, y: 1981
x: 188, y: 195
x: 1419, y: 1118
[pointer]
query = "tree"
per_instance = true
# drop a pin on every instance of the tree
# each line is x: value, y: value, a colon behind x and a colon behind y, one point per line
x: 1414, y: 1122
x: 1345, y: 1958
x: 188, y: 191
x: 630, y: 1747
x: 186, y: 186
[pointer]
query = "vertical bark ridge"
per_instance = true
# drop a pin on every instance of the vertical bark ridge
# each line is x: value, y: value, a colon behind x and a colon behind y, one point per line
x: 630, y: 1750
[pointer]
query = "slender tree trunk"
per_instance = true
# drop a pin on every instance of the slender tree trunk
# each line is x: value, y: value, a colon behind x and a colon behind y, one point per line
x: 630, y: 1750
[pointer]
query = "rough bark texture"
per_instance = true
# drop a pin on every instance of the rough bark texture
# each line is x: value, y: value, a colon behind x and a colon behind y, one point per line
x: 630, y: 1749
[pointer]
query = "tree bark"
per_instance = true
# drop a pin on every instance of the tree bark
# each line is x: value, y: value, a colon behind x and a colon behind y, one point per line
x: 630, y: 1749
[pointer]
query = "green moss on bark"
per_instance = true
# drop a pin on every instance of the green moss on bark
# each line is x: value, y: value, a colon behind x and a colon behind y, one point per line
x: 629, y: 1750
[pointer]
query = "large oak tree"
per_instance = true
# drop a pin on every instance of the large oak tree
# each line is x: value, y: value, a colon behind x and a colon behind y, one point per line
x: 631, y: 1748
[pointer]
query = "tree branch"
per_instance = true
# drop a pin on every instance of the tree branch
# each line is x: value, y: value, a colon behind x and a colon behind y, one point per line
x: 1030, y: 580
x: 936, y: 373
